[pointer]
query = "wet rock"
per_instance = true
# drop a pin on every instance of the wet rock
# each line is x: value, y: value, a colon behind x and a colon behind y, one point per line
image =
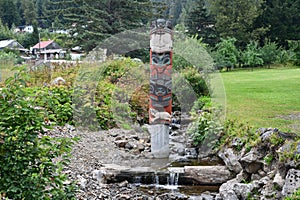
x: 292, y: 182
x: 231, y: 160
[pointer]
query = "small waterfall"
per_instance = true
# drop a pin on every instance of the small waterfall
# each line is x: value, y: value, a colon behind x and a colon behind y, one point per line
x: 156, y: 179
x: 174, y: 177
x: 137, y: 180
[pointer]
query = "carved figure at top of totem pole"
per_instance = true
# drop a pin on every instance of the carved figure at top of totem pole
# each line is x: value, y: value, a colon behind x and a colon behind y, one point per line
x: 161, y: 41
x: 161, y: 36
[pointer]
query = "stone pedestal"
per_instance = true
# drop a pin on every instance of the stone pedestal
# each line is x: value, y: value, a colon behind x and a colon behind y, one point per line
x: 159, y: 140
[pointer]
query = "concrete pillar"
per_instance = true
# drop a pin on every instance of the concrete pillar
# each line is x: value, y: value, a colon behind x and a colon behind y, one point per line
x: 159, y: 140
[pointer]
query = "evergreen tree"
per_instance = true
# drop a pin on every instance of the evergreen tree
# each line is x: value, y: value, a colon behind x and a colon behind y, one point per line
x: 201, y: 22
x: 283, y: 19
x: 235, y: 18
x: 29, y: 12
x: 5, y: 33
x: 90, y: 22
x: 8, y: 13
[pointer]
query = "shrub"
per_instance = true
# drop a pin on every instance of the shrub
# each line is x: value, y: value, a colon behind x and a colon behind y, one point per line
x: 269, y: 53
x: 206, y: 126
x: 251, y: 56
x: 30, y: 163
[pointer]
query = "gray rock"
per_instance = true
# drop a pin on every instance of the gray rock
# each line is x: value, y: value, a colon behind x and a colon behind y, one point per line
x: 231, y: 160
x: 229, y: 195
x: 292, y: 182
x: 278, y: 181
x: 251, y: 161
x: 208, y: 174
x: 242, y: 190
x: 121, y: 143
x: 191, y: 152
x: 253, y: 167
x: 129, y: 145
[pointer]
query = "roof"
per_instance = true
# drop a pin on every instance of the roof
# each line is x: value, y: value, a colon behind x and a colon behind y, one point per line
x: 42, y: 44
x: 5, y: 43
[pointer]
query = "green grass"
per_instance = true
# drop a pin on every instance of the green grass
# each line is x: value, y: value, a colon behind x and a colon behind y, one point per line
x: 262, y: 96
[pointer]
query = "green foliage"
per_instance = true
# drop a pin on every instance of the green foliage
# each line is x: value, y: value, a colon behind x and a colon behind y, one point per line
x: 206, y: 127
x: 234, y: 130
x: 5, y: 33
x: 290, y: 151
x: 226, y: 54
x: 31, y: 164
x: 251, y: 57
x: 236, y: 18
x: 196, y: 80
x: 295, y: 195
x: 200, y: 21
x: 269, y: 52
x: 57, y: 100
x: 268, y: 159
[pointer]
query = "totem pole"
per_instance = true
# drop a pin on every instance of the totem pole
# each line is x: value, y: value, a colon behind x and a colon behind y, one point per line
x: 160, y: 108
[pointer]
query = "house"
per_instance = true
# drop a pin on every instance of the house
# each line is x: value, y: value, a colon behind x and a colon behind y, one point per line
x: 26, y: 29
x: 13, y: 45
x: 48, y: 50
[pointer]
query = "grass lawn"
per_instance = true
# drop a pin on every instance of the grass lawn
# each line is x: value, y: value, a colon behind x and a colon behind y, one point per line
x: 264, y: 97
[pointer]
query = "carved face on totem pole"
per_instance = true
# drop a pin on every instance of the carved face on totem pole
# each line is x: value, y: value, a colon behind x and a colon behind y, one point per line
x: 161, y: 41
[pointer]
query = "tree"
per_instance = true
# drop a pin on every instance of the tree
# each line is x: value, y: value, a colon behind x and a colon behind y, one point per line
x: 235, y: 18
x: 201, y: 22
x: 5, y: 33
x: 269, y: 52
x: 283, y: 19
x: 251, y: 57
x: 90, y: 22
x: 226, y: 54
x: 29, y: 12
x: 8, y: 13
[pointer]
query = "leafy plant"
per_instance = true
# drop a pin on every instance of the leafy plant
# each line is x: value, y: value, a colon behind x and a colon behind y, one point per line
x: 268, y: 159
x: 31, y: 164
x: 251, y: 56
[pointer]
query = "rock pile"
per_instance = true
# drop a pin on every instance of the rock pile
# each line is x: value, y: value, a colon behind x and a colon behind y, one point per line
x: 258, y: 172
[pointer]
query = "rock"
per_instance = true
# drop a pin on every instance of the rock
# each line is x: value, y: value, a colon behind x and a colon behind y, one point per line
x: 82, y: 182
x: 229, y: 195
x: 99, y: 175
x: 140, y: 147
x: 58, y: 81
x: 121, y: 143
x: 292, y: 182
x: 231, y: 160
x: 129, y: 145
x: 191, y: 153
x: 208, y: 174
x: 278, y: 181
x: 251, y: 162
x: 242, y: 190
x: 206, y: 197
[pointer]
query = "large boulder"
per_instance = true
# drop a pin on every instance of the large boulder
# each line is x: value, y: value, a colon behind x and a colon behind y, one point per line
x: 292, y: 182
x: 231, y: 160
x: 208, y: 174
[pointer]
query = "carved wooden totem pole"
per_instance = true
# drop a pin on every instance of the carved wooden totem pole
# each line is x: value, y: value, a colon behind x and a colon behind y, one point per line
x: 160, y: 108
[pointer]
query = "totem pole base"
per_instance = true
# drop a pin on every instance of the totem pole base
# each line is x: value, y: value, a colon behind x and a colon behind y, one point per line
x: 160, y: 140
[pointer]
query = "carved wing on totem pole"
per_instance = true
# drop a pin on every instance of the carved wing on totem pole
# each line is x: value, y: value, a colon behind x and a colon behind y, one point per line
x: 161, y: 42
